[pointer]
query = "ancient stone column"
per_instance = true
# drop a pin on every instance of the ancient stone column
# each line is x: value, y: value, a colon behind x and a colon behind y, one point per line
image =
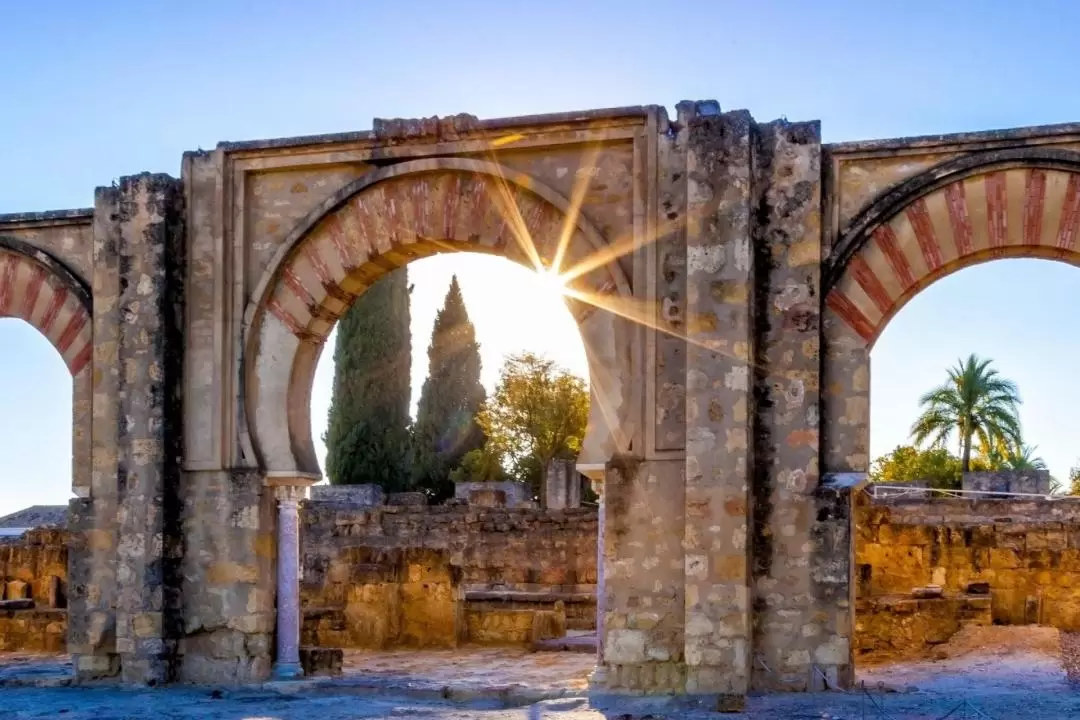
x: 598, y: 488
x: 287, y: 665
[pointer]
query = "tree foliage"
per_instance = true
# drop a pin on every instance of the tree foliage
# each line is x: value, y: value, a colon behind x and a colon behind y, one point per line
x: 480, y: 465
x: 937, y: 466
x: 1022, y: 457
x: 367, y: 437
x: 975, y: 403
x: 538, y: 412
x: 446, y: 428
x: 1074, y: 480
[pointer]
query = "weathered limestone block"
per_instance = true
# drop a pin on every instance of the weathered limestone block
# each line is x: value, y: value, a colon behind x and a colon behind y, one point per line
x: 17, y: 590
x: 358, y: 495
x: 642, y: 642
x: 720, y: 350
x: 147, y: 345
x: 562, y: 485
x: 229, y: 585
x: 794, y: 612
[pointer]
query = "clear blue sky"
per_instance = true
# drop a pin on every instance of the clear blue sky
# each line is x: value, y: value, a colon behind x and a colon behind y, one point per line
x: 93, y: 91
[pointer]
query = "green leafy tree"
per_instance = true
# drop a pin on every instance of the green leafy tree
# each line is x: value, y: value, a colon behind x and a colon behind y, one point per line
x: 367, y: 438
x: 537, y: 413
x: 446, y: 428
x: 1074, y: 487
x: 975, y: 403
x: 937, y: 466
x: 1074, y: 480
x: 480, y: 465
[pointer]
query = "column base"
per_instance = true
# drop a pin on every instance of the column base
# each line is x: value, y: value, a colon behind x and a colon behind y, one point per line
x: 288, y: 671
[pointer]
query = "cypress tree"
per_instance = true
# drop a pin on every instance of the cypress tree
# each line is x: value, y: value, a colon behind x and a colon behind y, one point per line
x: 446, y: 427
x: 367, y: 437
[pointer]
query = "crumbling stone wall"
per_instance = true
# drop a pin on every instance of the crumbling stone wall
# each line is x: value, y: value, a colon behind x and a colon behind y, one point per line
x: 34, y: 566
x: 1026, y: 552
x: 33, y: 588
x: 891, y: 627
x: 394, y: 575
x: 1034, y: 482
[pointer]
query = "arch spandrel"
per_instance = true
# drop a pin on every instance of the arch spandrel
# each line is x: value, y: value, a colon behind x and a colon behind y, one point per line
x: 384, y: 221
x: 1013, y: 210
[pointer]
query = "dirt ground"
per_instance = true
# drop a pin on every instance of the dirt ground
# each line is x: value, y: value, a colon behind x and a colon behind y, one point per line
x: 1003, y: 673
x: 978, y: 661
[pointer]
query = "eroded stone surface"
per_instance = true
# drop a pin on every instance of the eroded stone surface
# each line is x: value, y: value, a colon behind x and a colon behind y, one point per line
x: 729, y: 278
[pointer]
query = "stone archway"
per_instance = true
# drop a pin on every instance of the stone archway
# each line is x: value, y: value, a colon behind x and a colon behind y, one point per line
x: 372, y: 226
x: 384, y: 221
x: 1018, y: 203
x: 43, y: 292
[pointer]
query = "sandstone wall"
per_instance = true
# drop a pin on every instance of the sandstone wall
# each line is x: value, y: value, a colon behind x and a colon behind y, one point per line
x: 35, y: 566
x: 890, y: 627
x: 1028, y: 552
x: 384, y: 576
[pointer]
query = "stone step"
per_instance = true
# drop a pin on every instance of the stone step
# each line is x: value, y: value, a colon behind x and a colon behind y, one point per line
x: 571, y: 643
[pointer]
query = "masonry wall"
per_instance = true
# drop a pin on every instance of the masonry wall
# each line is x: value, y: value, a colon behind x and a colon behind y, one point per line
x: 1027, y: 552
x: 386, y: 576
x: 34, y: 567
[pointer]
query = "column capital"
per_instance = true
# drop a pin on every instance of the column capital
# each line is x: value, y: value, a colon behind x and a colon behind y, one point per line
x: 289, y: 494
x: 277, y: 478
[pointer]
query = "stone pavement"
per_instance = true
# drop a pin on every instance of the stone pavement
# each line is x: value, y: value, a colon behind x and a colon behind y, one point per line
x: 502, y: 684
x: 83, y: 703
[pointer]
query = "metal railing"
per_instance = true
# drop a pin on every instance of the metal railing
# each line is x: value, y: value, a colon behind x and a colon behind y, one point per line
x: 888, y: 492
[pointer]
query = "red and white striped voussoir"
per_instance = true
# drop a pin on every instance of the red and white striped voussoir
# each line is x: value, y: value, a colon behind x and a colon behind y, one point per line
x: 30, y: 292
x: 1017, y: 212
x: 391, y: 223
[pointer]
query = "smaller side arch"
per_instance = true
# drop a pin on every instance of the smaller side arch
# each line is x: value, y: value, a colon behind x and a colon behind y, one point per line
x: 894, y: 200
x: 1022, y: 202
x: 40, y: 290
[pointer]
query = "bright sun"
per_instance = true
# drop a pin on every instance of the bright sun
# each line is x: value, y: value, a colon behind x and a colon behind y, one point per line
x: 551, y: 283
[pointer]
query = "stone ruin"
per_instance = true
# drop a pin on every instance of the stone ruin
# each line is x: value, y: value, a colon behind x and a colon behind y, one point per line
x: 926, y: 567
x: 762, y: 266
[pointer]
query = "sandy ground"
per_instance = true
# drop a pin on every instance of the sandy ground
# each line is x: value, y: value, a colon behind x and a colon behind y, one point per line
x: 476, y: 667
x: 981, y: 660
x: 1004, y: 673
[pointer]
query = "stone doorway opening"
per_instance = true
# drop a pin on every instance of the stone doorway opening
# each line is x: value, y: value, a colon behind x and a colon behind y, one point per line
x: 36, y: 443
x: 498, y: 582
x: 955, y: 578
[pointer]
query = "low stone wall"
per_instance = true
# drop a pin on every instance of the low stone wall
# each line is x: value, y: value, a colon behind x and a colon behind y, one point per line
x: 891, y: 626
x: 418, y: 576
x: 34, y: 566
x: 33, y: 591
x: 33, y: 631
x: 1026, y: 552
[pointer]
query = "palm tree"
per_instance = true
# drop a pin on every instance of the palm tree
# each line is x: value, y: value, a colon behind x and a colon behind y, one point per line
x: 977, y: 403
x: 1023, y: 457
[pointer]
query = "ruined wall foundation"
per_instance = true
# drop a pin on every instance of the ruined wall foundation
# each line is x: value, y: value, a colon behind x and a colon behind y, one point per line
x: 926, y: 567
